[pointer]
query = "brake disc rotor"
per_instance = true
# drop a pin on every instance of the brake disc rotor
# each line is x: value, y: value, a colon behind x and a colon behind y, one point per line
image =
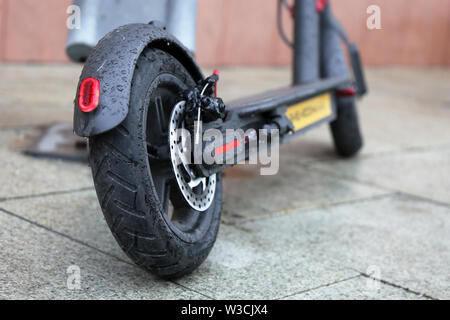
x: 197, y: 191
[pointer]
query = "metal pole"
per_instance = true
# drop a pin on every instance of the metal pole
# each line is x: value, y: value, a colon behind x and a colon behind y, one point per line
x: 333, y: 59
x: 306, y: 42
x: 182, y: 21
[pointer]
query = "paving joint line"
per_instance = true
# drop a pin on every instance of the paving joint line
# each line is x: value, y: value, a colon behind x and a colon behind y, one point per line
x: 363, y: 274
x: 321, y: 286
x: 398, y: 286
x: 45, y: 194
x: 372, y: 184
x: 193, y: 290
x: 61, y: 234
x: 23, y: 127
x: 426, y: 199
x: 352, y: 179
x: 399, y: 192
x: 312, y: 208
x: 309, y: 166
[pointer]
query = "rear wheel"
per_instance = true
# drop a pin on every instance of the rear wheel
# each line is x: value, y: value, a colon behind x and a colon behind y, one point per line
x: 135, y: 179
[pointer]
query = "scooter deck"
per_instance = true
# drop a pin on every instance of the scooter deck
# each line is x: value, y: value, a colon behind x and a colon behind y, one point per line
x: 284, y: 97
x: 306, y: 106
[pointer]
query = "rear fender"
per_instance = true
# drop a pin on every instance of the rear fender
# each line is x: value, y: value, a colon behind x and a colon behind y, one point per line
x: 112, y: 62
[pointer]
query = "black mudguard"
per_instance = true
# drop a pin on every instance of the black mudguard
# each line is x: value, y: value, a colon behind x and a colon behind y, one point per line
x: 112, y: 62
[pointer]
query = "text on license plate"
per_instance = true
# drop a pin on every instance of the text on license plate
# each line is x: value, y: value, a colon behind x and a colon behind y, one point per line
x: 311, y: 111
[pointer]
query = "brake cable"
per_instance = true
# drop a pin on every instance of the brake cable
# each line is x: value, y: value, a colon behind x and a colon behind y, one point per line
x: 279, y: 22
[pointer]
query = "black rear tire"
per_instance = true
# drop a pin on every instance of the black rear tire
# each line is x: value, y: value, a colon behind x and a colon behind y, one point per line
x: 345, y: 129
x: 134, y: 182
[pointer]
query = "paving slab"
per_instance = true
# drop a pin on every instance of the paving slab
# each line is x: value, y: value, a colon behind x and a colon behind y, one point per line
x: 37, y: 94
x: 358, y: 288
x: 77, y: 215
x: 23, y: 175
x: 427, y: 83
x: 244, y: 264
x: 248, y: 195
x: 38, y: 262
x: 399, y: 239
x: 404, y: 121
x: 17, y: 139
x: 422, y: 172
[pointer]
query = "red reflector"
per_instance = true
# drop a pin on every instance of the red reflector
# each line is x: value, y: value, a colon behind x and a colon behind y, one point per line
x: 346, y: 92
x: 89, y: 94
x: 226, y: 147
x: 320, y: 5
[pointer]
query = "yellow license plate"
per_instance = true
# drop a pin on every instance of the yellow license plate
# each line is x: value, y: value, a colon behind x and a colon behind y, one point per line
x: 309, y: 112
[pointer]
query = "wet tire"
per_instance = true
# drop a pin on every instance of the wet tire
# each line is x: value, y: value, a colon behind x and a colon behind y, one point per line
x: 134, y: 181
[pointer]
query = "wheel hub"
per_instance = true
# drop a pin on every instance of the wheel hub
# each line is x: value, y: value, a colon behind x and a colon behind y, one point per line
x: 197, y: 191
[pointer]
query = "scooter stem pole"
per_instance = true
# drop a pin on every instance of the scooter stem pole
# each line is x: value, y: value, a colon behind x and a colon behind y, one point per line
x: 306, y: 42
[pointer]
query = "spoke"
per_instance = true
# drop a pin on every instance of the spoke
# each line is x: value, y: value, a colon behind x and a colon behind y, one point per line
x: 155, y: 152
x: 166, y: 197
x: 160, y: 115
x: 161, y: 168
x: 176, y: 197
x: 162, y: 182
x: 152, y: 151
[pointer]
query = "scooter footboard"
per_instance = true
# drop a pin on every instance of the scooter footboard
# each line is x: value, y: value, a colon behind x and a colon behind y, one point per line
x: 284, y: 97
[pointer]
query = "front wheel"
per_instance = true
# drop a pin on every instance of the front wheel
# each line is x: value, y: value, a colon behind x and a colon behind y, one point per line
x: 136, y: 183
x: 345, y: 129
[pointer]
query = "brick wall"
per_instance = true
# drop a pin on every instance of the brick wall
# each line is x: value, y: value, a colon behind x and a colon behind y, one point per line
x: 243, y: 32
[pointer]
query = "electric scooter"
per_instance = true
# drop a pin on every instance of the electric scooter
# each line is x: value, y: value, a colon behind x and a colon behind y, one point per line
x: 140, y: 87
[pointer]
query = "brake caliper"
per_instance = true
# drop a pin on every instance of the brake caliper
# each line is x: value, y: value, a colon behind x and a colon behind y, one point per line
x: 202, y: 102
